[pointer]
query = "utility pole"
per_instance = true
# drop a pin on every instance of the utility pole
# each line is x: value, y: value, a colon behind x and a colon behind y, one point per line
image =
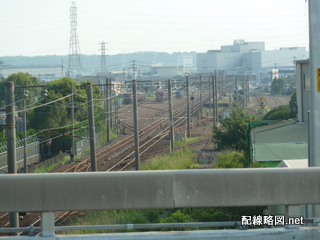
x: 171, y: 116
x: 201, y: 103
x: 243, y: 93
x: 209, y: 87
x: 11, y: 142
x: 62, y: 68
x: 214, y: 98
x: 117, y: 115
x: 188, y: 108
x: 91, y: 127
x: 73, y: 152
x: 136, y: 130
x: 216, y: 101
x: 110, y: 106
x: 107, y: 109
x: 134, y: 69
x: 25, y: 151
x: 248, y: 89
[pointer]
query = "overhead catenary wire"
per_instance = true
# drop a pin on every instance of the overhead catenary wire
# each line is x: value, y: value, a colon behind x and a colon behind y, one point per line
x: 44, y: 104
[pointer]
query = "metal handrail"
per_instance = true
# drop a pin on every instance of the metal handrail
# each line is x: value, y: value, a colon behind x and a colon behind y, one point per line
x: 31, y: 230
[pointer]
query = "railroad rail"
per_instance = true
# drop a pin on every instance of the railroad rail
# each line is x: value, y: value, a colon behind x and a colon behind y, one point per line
x: 85, y: 165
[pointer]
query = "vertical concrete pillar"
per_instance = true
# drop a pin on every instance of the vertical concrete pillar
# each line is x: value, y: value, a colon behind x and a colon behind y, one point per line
x: 314, y: 38
x: 47, y: 224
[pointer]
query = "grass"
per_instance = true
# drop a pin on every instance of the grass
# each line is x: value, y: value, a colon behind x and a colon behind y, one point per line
x: 49, y: 168
x: 187, y: 141
x: 150, y: 96
x: 178, y: 160
x: 110, y: 217
x: 67, y: 158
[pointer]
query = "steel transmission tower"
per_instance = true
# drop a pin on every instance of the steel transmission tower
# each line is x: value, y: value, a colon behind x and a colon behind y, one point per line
x: 74, y: 66
x: 103, y: 63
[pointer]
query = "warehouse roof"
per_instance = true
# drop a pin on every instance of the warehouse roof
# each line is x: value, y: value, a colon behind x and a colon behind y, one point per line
x: 284, y: 140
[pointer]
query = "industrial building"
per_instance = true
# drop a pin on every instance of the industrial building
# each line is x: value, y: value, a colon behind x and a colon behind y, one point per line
x: 250, y: 57
x: 285, y: 140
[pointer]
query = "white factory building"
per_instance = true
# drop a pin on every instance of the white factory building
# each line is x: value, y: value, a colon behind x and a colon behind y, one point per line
x: 249, y: 57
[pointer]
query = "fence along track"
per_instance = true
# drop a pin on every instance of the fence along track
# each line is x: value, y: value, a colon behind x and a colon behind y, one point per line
x: 85, y: 165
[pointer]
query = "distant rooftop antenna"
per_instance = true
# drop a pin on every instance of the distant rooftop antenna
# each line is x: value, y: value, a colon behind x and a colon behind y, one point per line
x: 74, y: 66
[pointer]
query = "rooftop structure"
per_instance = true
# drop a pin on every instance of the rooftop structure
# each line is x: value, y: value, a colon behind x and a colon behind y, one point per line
x: 250, y: 57
x: 285, y: 140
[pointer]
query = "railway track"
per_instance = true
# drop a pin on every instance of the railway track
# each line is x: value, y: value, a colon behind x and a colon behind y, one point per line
x: 126, y: 142
x: 106, y: 152
x: 129, y: 160
x: 207, y: 152
x: 158, y: 129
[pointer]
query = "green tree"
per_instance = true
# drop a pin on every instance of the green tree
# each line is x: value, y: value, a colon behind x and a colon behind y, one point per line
x: 57, y: 115
x: 21, y: 79
x: 233, y: 133
x: 277, y: 86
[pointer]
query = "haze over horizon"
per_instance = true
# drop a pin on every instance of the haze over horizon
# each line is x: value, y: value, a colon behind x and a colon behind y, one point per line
x: 42, y: 27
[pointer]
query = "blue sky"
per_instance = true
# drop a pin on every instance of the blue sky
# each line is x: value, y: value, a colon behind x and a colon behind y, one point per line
x: 42, y: 27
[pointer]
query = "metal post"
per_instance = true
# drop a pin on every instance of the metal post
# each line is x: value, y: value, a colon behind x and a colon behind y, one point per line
x: 243, y: 93
x: 248, y: 90
x: 91, y: 127
x: 135, y: 118
x: 216, y: 101
x: 25, y: 151
x: 188, y: 108
x: 213, y: 100
x: 11, y: 142
x: 107, y: 109
x: 110, y: 106
x: 116, y: 107
x: 201, y: 103
x: 74, y: 152
x: 209, y: 87
x: 171, y: 116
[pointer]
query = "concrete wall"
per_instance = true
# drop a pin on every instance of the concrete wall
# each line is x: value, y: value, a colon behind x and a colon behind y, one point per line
x: 48, y: 193
x: 159, y: 189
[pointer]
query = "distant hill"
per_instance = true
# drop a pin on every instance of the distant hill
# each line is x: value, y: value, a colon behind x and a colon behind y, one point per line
x: 114, y: 62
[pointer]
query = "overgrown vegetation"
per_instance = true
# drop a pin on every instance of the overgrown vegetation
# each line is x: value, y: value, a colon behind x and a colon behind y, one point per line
x: 187, y: 141
x: 278, y: 113
x: 49, y: 168
x: 53, y: 122
x: 231, y: 159
x: 283, y: 112
x: 178, y: 160
x: 234, y: 131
